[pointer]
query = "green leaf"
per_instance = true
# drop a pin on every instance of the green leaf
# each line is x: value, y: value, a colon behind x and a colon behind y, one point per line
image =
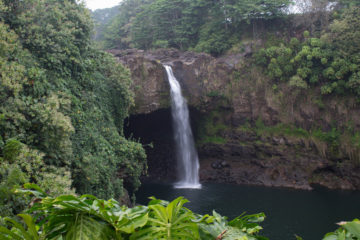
x: 31, y: 188
x: 87, y: 228
x: 19, y: 227
x: 7, y: 234
x: 168, y: 222
x: 298, y: 237
x: 136, y: 219
x: 31, y: 226
x: 353, y: 227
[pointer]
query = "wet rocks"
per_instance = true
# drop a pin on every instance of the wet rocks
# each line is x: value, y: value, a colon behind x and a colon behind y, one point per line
x: 218, y: 164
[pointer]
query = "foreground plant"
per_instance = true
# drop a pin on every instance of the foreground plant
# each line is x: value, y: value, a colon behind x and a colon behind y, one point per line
x: 168, y: 221
x: 87, y: 217
x: 347, y: 231
x: 244, y: 227
x: 18, y: 231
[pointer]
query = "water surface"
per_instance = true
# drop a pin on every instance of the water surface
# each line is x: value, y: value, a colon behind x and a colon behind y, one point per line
x: 309, y: 214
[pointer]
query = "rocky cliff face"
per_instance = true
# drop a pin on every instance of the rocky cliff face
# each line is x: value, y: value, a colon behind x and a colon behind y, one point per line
x: 200, y: 75
x: 248, y: 129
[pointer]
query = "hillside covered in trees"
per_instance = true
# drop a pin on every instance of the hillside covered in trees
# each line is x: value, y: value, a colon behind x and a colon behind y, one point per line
x: 62, y: 106
x: 209, y: 26
x: 205, y: 26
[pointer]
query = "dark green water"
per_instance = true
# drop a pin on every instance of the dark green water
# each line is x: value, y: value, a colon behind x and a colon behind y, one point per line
x: 309, y: 214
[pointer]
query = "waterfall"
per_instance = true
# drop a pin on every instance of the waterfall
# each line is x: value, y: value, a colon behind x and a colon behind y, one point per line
x: 188, y: 162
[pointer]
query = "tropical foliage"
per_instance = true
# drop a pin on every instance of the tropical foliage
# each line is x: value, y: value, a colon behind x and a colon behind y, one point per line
x: 62, y: 106
x: 330, y: 61
x: 347, y: 231
x: 87, y: 217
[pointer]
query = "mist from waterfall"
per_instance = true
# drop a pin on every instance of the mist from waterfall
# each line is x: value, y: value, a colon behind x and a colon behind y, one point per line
x: 188, y: 161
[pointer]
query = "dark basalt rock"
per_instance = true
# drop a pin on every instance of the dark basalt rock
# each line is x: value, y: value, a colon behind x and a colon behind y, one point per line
x: 243, y: 94
x: 211, y: 150
x: 274, y: 166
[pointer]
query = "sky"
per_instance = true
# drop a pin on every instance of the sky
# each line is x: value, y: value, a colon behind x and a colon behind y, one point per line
x: 98, y: 4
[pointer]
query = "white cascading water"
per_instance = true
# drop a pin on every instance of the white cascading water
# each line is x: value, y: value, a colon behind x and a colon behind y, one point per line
x: 188, y: 162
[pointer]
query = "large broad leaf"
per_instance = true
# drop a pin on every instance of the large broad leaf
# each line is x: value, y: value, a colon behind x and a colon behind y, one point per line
x: 241, y: 228
x: 82, y: 227
x: 168, y: 222
x: 248, y: 223
x: 347, y: 231
x: 353, y: 227
x: 132, y: 219
x: 236, y: 234
x: 60, y: 213
x: 212, y: 226
x: 123, y: 219
x: 337, y: 235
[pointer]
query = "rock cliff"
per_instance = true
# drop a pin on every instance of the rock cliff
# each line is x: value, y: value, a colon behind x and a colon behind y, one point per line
x: 249, y: 129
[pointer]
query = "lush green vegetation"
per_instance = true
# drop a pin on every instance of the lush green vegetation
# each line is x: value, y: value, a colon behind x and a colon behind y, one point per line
x: 330, y: 60
x: 207, y: 26
x: 210, y: 129
x: 87, y: 217
x: 62, y: 106
x: 102, y: 18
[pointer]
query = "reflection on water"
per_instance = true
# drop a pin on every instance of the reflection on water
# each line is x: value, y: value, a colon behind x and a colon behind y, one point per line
x: 309, y: 214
